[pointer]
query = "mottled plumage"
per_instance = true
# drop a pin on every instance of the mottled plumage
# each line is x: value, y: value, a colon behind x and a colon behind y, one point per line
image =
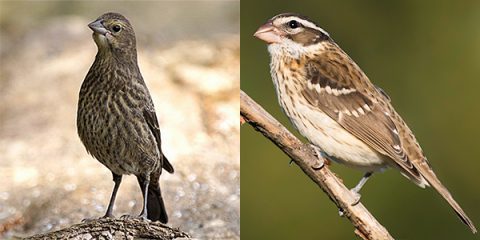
x: 116, y: 118
x: 331, y: 101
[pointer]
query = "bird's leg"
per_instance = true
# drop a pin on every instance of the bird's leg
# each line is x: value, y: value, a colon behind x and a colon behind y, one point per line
x: 144, y: 182
x: 117, y: 179
x: 321, y: 157
x: 356, y: 189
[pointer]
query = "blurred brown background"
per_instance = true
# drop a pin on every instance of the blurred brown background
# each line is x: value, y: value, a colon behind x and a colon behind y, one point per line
x: 189, y: 56
x: 426, y: 56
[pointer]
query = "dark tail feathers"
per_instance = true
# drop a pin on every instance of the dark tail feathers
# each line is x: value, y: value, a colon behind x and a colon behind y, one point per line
x: 155, y: 207
x: 166, y: 164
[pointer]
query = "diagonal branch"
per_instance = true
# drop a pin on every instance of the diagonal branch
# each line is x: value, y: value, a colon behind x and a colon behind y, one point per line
x: 366, y: 226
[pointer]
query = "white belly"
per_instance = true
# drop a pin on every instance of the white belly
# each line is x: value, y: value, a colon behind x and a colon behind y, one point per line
x: 334, y: 140
x: 325, y: 133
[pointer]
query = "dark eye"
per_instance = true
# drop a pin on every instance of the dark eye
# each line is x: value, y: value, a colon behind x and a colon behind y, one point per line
x: 293, y: 24
x: 116, y: 28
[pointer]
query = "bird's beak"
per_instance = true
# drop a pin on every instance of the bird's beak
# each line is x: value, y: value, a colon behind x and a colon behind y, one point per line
x: 268, y: 33
x: 97, y: 27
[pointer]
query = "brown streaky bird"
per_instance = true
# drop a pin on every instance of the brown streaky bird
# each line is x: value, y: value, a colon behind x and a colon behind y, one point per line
x: 116, y: 119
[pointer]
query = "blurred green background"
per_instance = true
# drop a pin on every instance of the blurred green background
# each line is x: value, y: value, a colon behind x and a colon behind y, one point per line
x: 426, y: 56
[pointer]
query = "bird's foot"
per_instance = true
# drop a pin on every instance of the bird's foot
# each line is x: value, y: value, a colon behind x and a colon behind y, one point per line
x: 356, y: 196
x: 320, y: 156
x: 356, y: 200
x: 356, y: 190
x: 319, y: 164
x: 142, y: 217
x: 86, y: 220
x: 126, y: 216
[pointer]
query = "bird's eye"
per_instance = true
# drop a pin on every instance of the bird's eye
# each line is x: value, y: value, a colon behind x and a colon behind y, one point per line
x: 293, y: 24
x: 116, y: 28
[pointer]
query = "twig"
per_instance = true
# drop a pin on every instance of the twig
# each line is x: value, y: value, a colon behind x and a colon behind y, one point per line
x: 109, y: 228
x: 366, y: 226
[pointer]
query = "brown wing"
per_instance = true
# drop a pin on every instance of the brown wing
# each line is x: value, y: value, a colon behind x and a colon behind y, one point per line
x: 359, y: 107
x: 365, y: 111
x: 152, y: 122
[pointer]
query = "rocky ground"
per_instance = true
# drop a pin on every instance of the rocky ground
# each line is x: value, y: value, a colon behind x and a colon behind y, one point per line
x: 48, y: 181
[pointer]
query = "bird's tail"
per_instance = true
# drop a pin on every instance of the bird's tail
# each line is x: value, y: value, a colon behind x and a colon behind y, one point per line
x: 166, y: 164
x: 430, y: 176
x: 155, y: 206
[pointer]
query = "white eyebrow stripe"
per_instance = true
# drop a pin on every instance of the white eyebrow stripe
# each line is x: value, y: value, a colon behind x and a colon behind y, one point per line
x: 304, y: 23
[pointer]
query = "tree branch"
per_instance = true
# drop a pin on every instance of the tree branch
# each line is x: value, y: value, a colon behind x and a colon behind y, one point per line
x: 110, y: 228
x: 366, y: 226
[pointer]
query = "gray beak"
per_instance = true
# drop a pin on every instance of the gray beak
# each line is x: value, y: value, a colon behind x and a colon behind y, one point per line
x: 97, y: 27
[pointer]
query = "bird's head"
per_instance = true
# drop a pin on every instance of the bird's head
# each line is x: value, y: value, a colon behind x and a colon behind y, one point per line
x: 292, y: 32
x: 113, y: 32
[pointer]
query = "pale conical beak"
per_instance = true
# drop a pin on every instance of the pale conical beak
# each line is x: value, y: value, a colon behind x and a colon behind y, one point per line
x: 98, y: 27
x: 268, y: 33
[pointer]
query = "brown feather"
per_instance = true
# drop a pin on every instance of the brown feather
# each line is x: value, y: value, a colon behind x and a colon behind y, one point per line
x: 152, y: 122
x: 380, y: 127
x: 334, y: 105
x: 373, y: 127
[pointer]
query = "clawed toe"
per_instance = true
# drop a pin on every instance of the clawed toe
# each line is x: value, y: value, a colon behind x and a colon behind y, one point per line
x: 126, y: 216
x: 140, y: 217
x: 86, y: 220
x: 356, y: 200
x: 356, y: 190
x: 143, y: 216
x: 319, y: 164
x: 321, y: 161
x: 356, y: 197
